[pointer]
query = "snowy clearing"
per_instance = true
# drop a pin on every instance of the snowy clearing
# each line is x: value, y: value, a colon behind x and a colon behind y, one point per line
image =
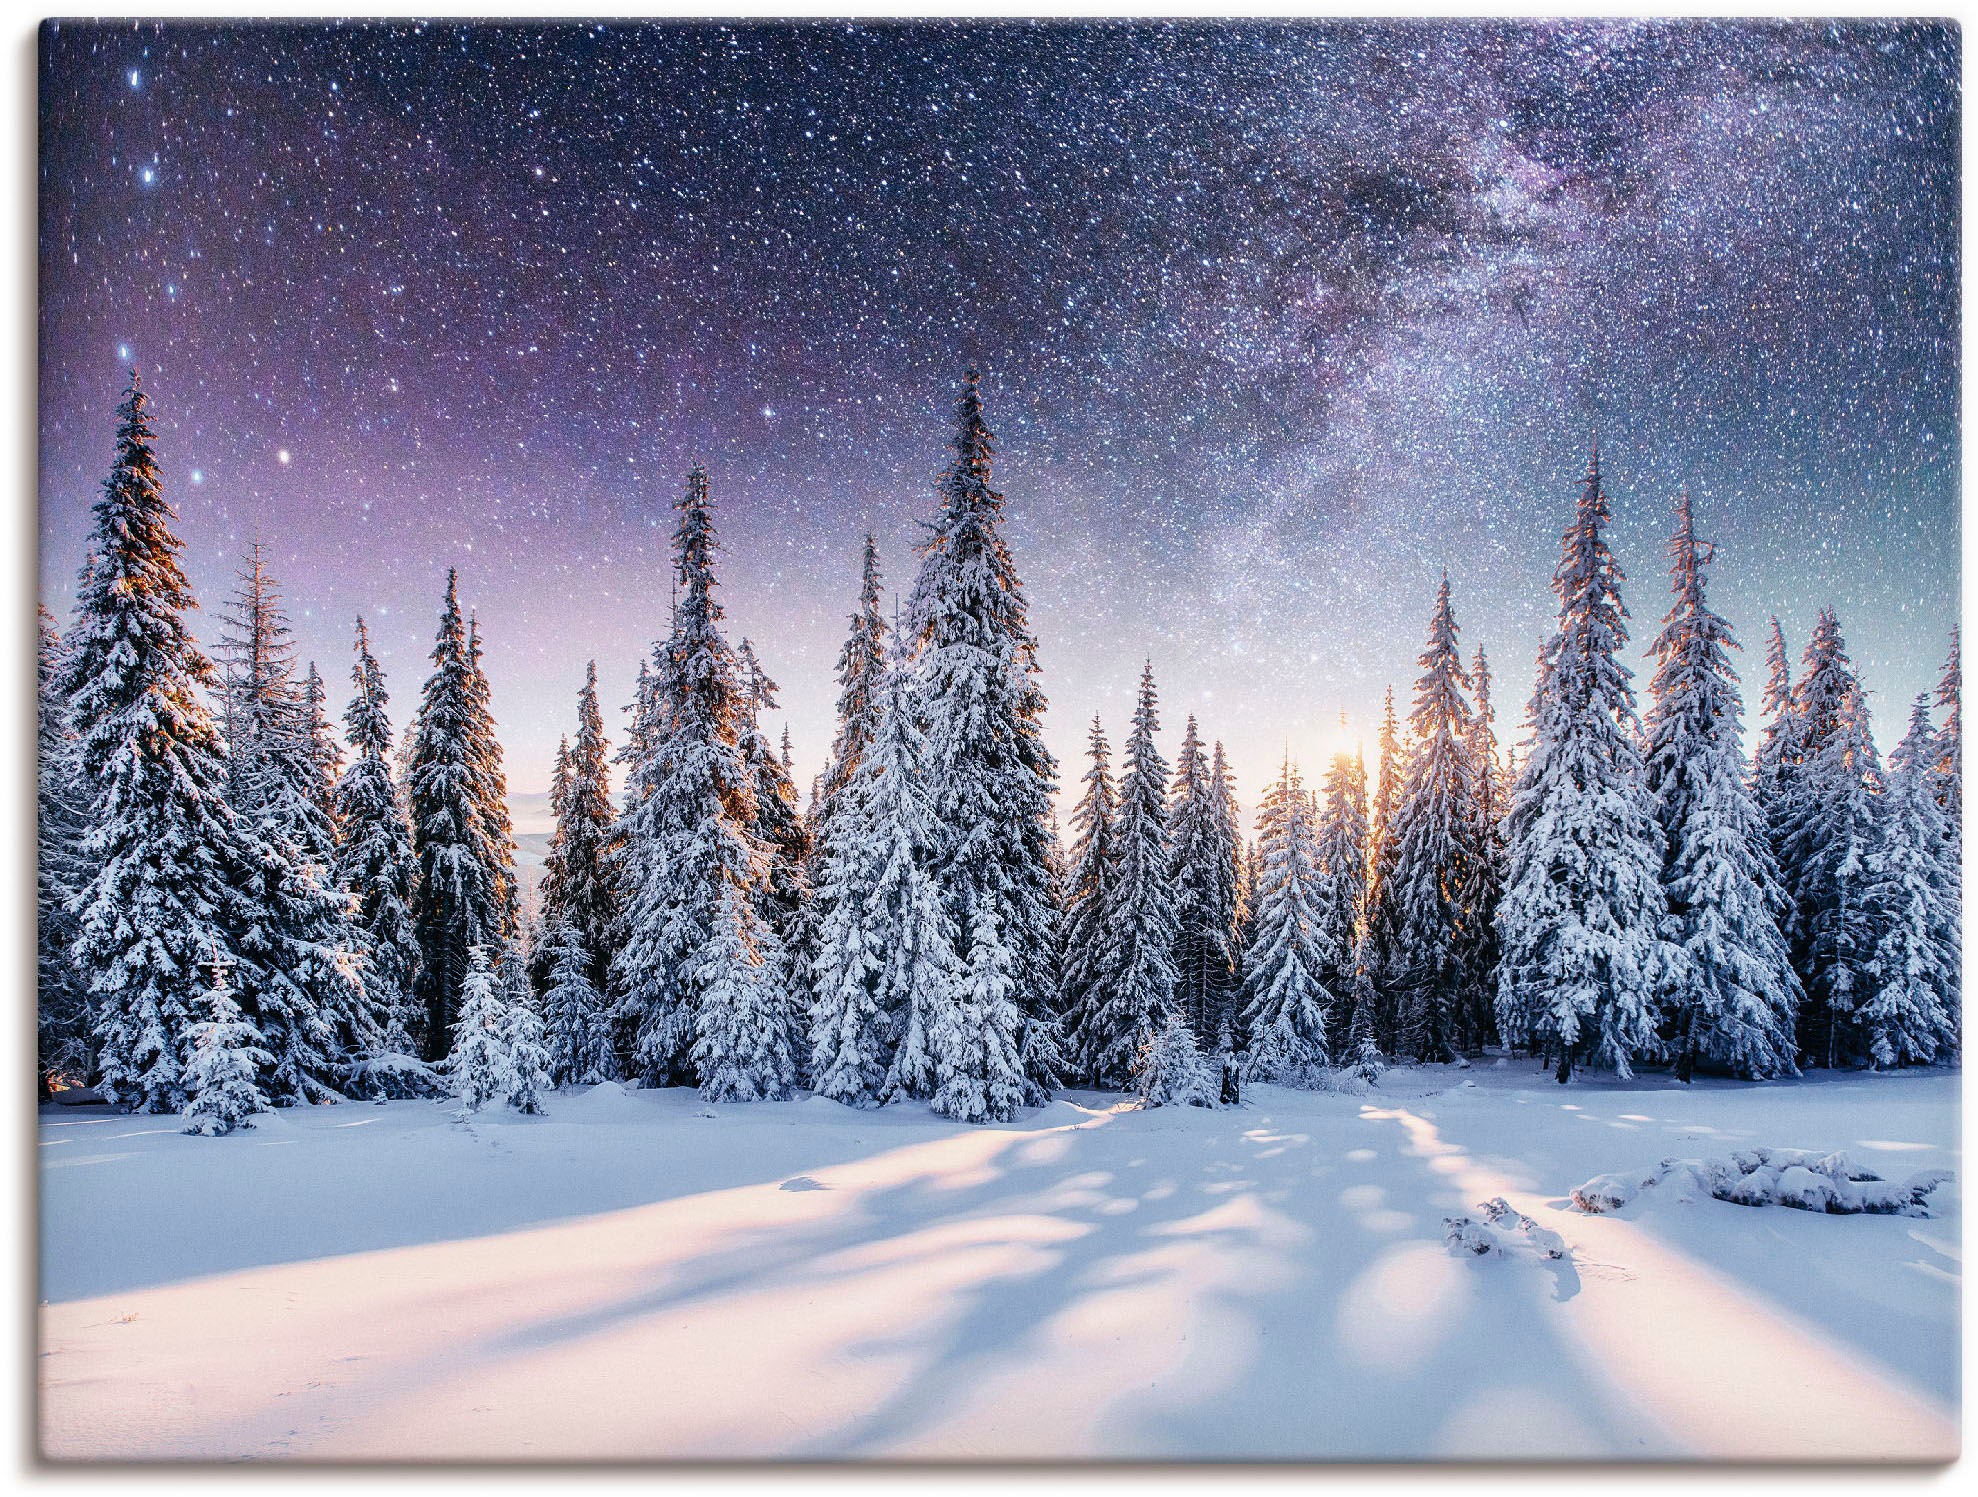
x: 641, y: 1274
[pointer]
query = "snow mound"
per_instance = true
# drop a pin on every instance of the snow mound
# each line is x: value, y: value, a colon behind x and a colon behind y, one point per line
x: 1803, y: 1179
x: 803, y: 1182
x: 394, y: 1077
x: 603, y: 1102
x: 1504, y: 1231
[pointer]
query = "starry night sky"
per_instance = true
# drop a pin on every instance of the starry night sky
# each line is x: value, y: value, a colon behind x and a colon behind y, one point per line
x: 1275, y: 322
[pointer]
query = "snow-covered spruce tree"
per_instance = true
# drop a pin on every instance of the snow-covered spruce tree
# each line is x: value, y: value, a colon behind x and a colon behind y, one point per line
x: 522, y: 1034
x: 458, y: 900
x: 579, y: 883
x: 478, y: 1063
x: 1085, y: 897
x: 1908, y: 1016
x: 1361, y: 1054
x: 784, y: 896
x: 1381, y: 914
x: 1203, y: 875
x: 989, y: 770
x: 1170, y: 1069
x: 325, y: 757
x: 1341, y: 875
x: 1831, y: 828
x: 162, y: 849
x: 1229, y: 833
x: 1437, y: 845
x: 62, y: 1041
x: 494, y: 832
x: 1132, y: 994
x: 861, y: 679
x: 973, y: 1032
x: 224, y: 1058
x: 1775, y: 764
x: 861, y: 673
x: 1947, y: 765
x: 1580, y: 922
x: 743, y: 1050
x: 693, y: 868
x: 1490, y: 802
x: 1728, y: 995
x: 302, y: 977
x: 1286, y: 1002
x: 578, y: 1030
x: 374, y: 860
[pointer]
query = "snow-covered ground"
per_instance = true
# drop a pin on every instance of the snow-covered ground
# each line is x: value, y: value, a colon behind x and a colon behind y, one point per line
x: 641, y: 1274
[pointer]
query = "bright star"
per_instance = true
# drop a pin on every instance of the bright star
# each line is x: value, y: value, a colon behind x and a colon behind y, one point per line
x: 135, y: 79
x: 198, y: 476
x: 282, y: 457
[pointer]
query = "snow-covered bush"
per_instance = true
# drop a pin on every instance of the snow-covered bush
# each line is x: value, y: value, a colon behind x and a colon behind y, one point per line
x: 1502, y: 1230
x: 220, y: 1073
x: 394, y: 1076
x: 1171, y: 1071
x: 1804, y: 1179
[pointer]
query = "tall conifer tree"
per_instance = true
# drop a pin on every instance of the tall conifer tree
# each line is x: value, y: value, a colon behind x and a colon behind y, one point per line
x: 580, y: 874
x: 1204, y: 876
x: 459, y: 901
x: 1729, y: 991
x: 374, y: 859
x: 1287, y: 1005
x: 162, y: 848
x: 1438, y: 845
x: 991, y: 774
x: 1831, y: 829
x: 1581, y: 916
x: 700, y: 975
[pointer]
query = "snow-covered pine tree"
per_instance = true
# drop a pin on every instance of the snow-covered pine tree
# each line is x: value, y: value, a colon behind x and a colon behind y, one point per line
x: 578, y: 1030
x: 1361, y: 1056
x: 861, y: 673
x: 742, y: 1034
x: 1947, y: 766
x: 1580, y: 922
x: 458, y: 902
x: 1728, y: 994
x: 693, y: 867
x: 478, y: 1063
x: 302, y: 977
x: 1380, y: 913
x: 374, y: 854
x: 494, y: 832
x: 162, y: 848
x: 259, y: 695
x: 973, y: 1033
x: 1171, y: 1070
x: 1832, y: 826
x: 1203, y: 876
x: 1236, y: 856
x: 1437, y: 845
x: 1489, y: 804
x: 982, y: 708
x: 1341, y: 875
x: 1086, y: 896
x: 1775, y: 764
x: 784, y: 897
x: 522, y: 1037
x: 579, y: 883
x: 325, y: 758
x: 1287, y: 1003
x: 1907, y: 1017
x: 1132, y: 994
x: 62, y: 1041
x: 225, y: 1056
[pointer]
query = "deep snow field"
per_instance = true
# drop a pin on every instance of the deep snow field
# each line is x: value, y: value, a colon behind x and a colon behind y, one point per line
x: 644, y: 1275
